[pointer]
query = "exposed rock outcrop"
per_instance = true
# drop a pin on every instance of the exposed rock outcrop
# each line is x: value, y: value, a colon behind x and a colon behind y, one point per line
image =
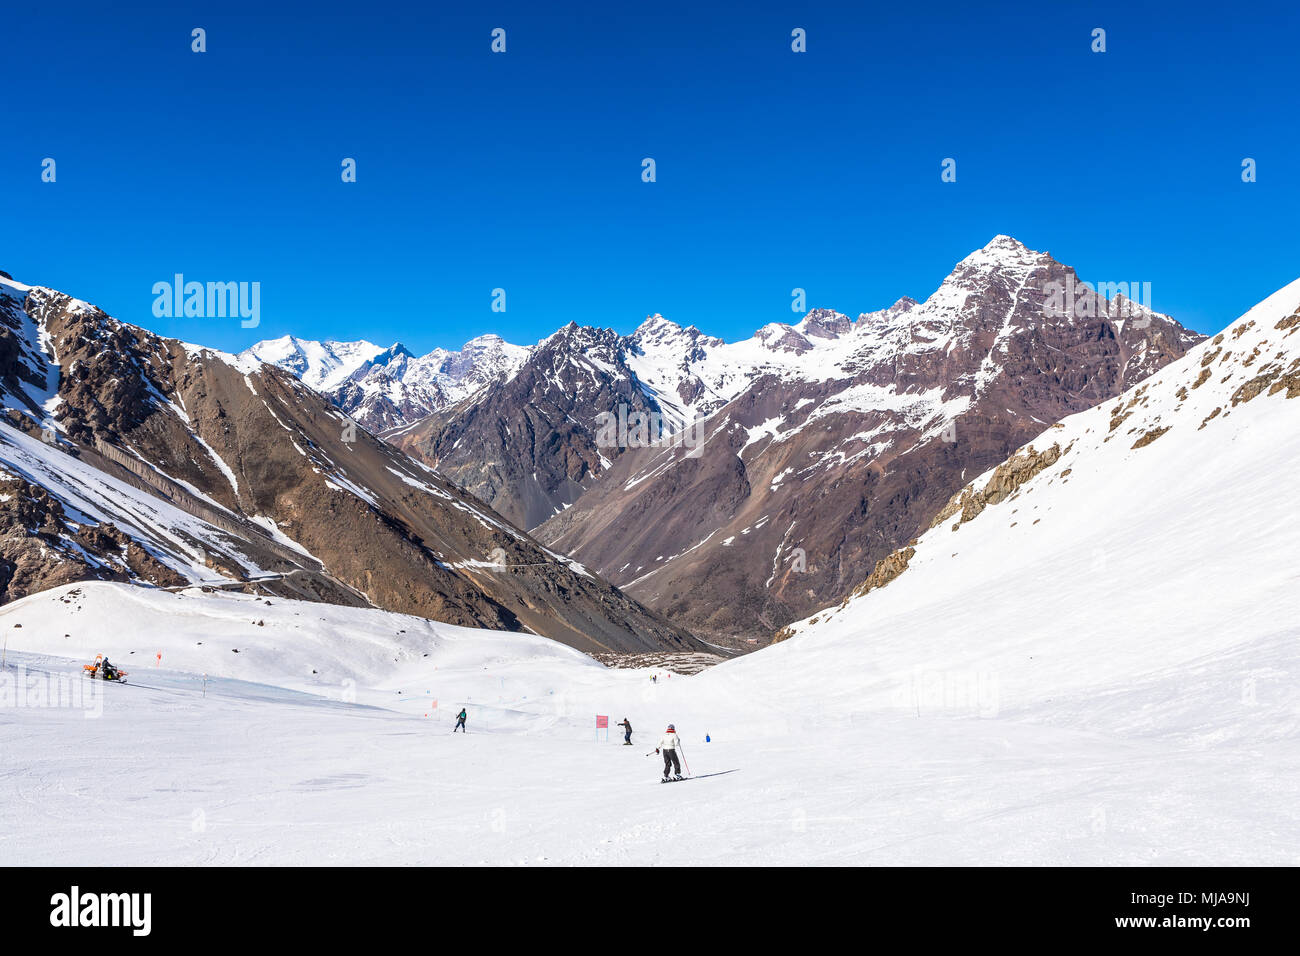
x: 1005, y: 481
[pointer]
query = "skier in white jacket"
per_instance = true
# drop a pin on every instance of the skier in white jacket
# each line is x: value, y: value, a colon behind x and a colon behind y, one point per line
x: 668, y: 746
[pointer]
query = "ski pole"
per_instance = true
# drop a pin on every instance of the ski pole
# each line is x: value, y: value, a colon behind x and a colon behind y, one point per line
x: 684, y: 763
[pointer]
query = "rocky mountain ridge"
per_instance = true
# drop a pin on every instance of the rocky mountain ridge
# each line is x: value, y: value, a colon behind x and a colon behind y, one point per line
x: 129, y: 456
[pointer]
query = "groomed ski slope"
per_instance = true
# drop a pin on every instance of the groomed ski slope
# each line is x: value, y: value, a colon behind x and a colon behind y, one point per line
x: 1099, y: 670
x: 273, y: 764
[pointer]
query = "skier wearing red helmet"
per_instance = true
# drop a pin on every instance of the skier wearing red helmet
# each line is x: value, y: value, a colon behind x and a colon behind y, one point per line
x: 668, y: 746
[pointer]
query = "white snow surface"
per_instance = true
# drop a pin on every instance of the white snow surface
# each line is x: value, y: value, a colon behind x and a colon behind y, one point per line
x: 320, y: 742
x: 1100, y: 670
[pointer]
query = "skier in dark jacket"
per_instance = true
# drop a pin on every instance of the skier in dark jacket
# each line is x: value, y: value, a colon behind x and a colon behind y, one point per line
x: 460, y: 722
x: 627, y: 736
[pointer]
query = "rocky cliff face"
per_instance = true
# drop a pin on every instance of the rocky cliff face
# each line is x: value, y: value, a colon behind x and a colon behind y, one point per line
x: 213, y: 467
x: 530, y: 445
x: 846, y: 438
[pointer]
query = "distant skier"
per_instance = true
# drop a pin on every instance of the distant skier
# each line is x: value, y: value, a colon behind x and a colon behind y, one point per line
x: 627, y: 735
x: 668, y: 745
x: 460, y: 722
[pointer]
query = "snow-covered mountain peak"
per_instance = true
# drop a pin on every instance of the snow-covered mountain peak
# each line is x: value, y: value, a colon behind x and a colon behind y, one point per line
x: 883, y: 318
x: 490, y: 344
x: 1006, y: 243
x: 984, y: 314
x: 824, y: 324
x: 389, y: 387
x: 656, y: 325
x: 320, y: 365
x: 486, y: 341
x: 1001, y: 255
x: 396, y: 350
x: 480, y: 359
x: 669, y: 341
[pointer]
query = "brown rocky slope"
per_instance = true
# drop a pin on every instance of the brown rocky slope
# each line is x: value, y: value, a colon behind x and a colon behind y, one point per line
x: 268, y: 467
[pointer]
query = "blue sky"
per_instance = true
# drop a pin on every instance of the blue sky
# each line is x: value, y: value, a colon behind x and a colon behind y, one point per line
x: 522, y: 170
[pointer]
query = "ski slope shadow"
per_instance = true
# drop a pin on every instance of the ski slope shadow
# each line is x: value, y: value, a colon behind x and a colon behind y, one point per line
x: 701, y: 776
